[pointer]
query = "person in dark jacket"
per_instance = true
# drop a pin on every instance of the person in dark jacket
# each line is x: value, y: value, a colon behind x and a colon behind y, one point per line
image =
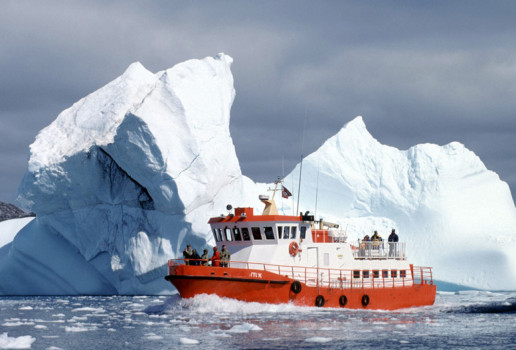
x: 196, y: 259
x: 393, y: 240
x: 187, y: 254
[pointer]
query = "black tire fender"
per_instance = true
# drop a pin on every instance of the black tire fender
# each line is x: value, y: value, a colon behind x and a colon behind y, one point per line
x: 319, y: 301
x: 365, y: 300
x: 343, y: 300
x: 296, y: 287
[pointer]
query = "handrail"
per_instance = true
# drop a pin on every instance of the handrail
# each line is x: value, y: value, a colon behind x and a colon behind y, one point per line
x: 380, y: 250
x: 333, y: 278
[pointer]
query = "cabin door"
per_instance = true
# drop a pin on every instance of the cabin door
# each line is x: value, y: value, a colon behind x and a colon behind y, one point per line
x: 312, y: 257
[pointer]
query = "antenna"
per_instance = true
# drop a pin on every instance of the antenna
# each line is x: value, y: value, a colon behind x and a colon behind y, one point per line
x: 317, y: 187
x: 301, y: 166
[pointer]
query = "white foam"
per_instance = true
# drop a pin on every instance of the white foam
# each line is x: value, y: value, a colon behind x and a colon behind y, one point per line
x: 22, y: 342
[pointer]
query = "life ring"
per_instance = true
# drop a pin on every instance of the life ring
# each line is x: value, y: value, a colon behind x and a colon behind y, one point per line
x: 293, y: 248
x: 319, y: 301
x: 365, y: 300
x: 343, y: 300
x: 296, y: 287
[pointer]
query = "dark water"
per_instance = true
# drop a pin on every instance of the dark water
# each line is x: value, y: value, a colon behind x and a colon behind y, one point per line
x: 461, y: 320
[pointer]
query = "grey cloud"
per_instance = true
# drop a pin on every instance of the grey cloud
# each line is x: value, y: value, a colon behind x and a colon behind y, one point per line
x: 422, y: 71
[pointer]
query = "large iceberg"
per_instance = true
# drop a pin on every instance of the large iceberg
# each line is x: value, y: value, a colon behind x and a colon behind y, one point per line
x: 124, y: 178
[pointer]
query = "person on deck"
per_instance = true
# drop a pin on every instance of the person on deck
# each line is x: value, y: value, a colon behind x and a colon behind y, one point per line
x: 196, y: 259
x: 393, y: 240
x: 187, y: 254
x: 205, y: 258
x: 224, y: 257
x: 376, y: 239
x: 215, y: 259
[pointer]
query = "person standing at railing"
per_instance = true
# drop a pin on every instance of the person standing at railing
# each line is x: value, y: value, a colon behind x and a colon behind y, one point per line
x: 376, y: 239
x: 215, y: 259
x: 187, y: 254
x: 224, y: 257
x: 393, y: 241
x: 196, y: 259
x: 205, y: 258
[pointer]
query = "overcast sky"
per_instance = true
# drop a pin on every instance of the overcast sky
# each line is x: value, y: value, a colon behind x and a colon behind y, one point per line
x: 417, y: 71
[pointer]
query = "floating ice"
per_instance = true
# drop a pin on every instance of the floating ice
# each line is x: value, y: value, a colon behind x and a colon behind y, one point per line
x: 188, y: 341
x: 244, y: 328
x: 318, y: 340
x: 22, y: 342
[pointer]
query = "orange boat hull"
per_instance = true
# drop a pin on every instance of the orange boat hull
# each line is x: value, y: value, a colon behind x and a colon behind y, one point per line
x: 267, y: 287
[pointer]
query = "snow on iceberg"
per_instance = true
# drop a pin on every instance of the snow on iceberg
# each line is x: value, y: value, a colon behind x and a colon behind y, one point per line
x: 124, y: 178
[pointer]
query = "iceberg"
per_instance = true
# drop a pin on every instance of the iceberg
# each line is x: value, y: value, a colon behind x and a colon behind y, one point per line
x: 122, y: 180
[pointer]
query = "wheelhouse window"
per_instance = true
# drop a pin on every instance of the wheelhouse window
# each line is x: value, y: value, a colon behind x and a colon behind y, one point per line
x: 219, y: 234
x: 365, y: 274
x: 394, y: 273
x: 303, y: 232
x: 385, y: 273
x: 257, y: 236
x: 286, y: 233
x: 376, y: 274
x: 293, y: 232
x: 280, y: 232
x: 215, y: 235
x: 227, y: 231
x: 269, y: 233
x: 245, y: 234
x: 356, y: 273
x: 236, y: 234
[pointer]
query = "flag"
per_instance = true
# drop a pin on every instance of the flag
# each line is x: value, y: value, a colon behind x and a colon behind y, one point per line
x: 285, y: 193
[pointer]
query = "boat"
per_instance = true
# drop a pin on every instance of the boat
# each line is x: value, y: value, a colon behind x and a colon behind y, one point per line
x: 295, y: 259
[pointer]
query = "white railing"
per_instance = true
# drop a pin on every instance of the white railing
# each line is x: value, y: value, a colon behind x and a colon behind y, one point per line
x: 380, y: 250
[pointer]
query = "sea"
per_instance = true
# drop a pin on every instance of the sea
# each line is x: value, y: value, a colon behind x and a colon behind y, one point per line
x: 457, y: 320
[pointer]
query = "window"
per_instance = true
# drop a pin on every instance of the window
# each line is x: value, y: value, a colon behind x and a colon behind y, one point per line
x: 365, y: 274
x: 236, y: 234
x: 303, y: 232
x: 376, y: 274
x: 293, y: 232
x: 227, y: 231
x: 394, y: 273
x: 219, y: 234
x: 287, y: 232
x: 245, y: 234
x: 403, y: 273
x: 356, y: 274
x: 280, y: 231
x: 269, y: 233
x: 215, y: 235
x: 385, y: 273
x: 256, y: 233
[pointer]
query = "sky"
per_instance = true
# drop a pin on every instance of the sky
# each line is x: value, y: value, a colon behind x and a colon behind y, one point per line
x: 417, y: 71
